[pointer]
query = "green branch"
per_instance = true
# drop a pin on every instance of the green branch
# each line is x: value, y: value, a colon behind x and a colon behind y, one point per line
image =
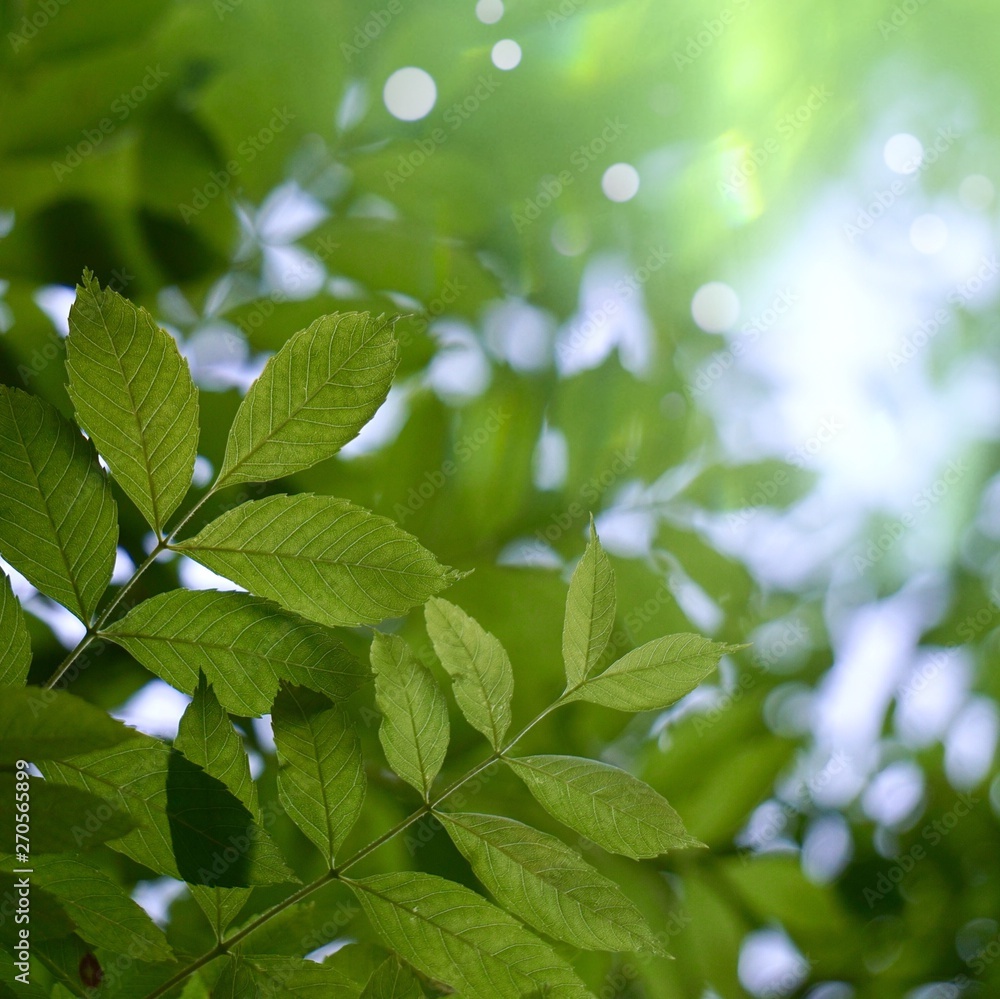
x: 225, y: 945
x: 92, y: 631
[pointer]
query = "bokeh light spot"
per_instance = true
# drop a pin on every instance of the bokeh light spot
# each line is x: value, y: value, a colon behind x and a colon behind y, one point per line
x: 489, y: 11
x: 976, y: 192
x: 506, y: 54
x: 620, y: 182
x: 409, y: 93
x: 715, y: 307
x: 903, y: 153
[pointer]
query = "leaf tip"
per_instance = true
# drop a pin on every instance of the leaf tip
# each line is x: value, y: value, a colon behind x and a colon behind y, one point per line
x: 690, y: 843
x: 651, y: 945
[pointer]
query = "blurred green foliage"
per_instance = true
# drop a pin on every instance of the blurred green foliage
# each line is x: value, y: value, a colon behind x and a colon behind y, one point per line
x: 141, y: 140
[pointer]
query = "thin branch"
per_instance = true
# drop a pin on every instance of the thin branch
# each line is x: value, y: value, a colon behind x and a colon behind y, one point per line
x: 224, y: 946
x: 92, y: 631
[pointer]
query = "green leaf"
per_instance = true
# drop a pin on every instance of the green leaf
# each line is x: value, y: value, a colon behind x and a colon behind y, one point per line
x: 103, y: 914
x: 195, y: 988
x: 15, y: 643
x: 548, y: 885
x: 134, y: 397
x: 190, y: 825
x: 323, y: 558
x: 313, y: 397
x: 590, y: 612
x: 300, y: 928
x: 128, y: 979
x: 358, y: 960
x: 58, y: 519
x: 454, y: 936
x: 392, y: 980
x: 38, y: 724
x: 48, y: 918
x: 478, y: 665
x: 238, y: 980
x: 609, y: 806
x: 718, y: 925
x: 655, y: 675
x: 414, y: 730
x: 243, y: 644
x: 266, y: 976
x: 206, y: 737
x: 66, y: 819
x: 321, y: 780
x: 25, y: 990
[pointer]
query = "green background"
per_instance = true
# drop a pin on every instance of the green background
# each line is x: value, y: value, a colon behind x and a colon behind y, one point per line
x: 734, y: 511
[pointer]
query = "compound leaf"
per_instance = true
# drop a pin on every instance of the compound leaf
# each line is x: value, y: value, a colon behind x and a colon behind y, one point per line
x: 321, y: 557
x: 58, y: 519
x: 321, y: 776
x: 392, y: 980
x: 590, y: 612
x: 238, y: 979
x: 610, y: 807
x: 655, y: 675
x: 312, y: 397
x: 414, y: 731
x: 66, y: 819
x: 190, y: 825
x: 547, y: 884
x: 38, y: 724
x: 103, y: 914
x: 454, y: 936
x: 134, y: 396
x: 206, y: 737
x: 478, y: 665
x: 263, y: 976
x: 244, y: 645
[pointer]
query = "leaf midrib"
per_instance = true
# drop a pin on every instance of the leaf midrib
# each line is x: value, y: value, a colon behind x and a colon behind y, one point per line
x: 587, y: 794
x: 445, y: 931
x: 411, y: 718
x: 477, y: 675
x: 622, y: 673
x: 276, y: 428
x: 297, y: 556
x: 153, y: 498
x: 539, y: 876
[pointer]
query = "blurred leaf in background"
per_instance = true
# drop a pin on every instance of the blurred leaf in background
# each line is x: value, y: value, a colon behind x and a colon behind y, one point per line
x: 722, y: 277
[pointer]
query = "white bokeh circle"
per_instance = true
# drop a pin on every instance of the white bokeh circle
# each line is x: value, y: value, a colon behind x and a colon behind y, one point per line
x: 715, y: 307
x: 489, y: 11
x: 903, y: 153
x: 506, y: 54
x: 410, y: 93
x: 620, y: 182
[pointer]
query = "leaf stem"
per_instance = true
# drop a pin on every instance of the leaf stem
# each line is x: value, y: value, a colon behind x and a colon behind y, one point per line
x: 102, y: 619
x: 423, y: 810
x: 225, y: 945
